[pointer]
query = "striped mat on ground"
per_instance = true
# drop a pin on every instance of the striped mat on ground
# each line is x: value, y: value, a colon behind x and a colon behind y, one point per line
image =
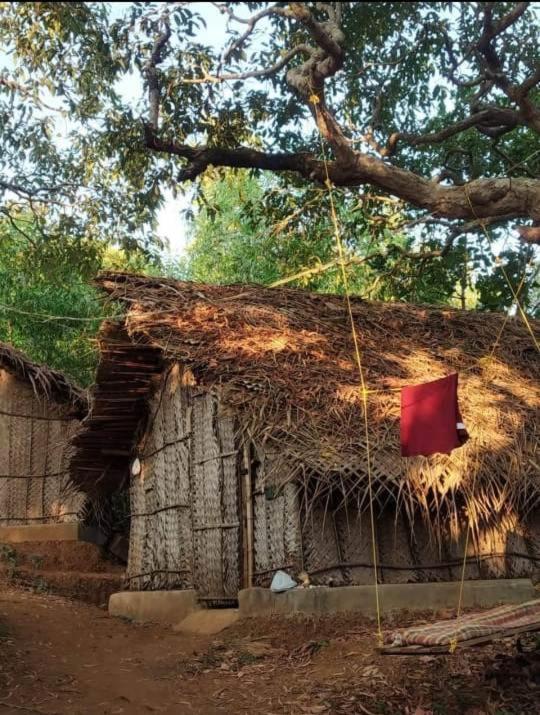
x: 475, y: 625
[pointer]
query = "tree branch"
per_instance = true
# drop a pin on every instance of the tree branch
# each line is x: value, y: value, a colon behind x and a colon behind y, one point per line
x: 27, y: 93
x: 529, y: 234
x: 484, y: 200
x: 491, y: 31
x: 251, y: 22
x: 490, y: 198
x: 15, y: 226
x: 531, y: 82
x: 328, y: 35
x: 251, y: 74
x: 201, y: 157
x: 40, y: 194
x: 494, y: 66
x: 498, y: 118
x: 152, y: 74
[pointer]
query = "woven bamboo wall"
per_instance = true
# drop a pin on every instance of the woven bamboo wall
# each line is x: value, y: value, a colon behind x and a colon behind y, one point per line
x: 185, y: 522
x: 34, y: 458
x: 188, y: 517
x: 276, y: 526
x: 335, y: 545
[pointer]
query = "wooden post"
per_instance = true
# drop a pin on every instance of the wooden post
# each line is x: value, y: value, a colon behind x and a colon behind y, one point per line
x: 248, y: 518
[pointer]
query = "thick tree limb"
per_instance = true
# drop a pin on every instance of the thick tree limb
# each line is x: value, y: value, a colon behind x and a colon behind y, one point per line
x: 491, y: 31
x: 485, y: 200
x: 201, y: 157
x: 490, y: 198
x: 328, y: 36
x: 489, y: 118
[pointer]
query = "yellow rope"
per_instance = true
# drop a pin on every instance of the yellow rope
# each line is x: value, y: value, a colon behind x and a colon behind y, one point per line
x: 505, y: 274
x: 454, y: 641
x: 515, y: 293
x: 520, y: 308
x: 362, y: 390
x: 507, y: 316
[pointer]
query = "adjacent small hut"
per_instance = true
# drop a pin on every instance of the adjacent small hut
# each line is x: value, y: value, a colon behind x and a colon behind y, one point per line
x: 233, y: 415
x: 40, y: 410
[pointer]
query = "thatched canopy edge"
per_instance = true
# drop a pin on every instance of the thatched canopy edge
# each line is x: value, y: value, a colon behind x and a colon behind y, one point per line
x: 44, y: 381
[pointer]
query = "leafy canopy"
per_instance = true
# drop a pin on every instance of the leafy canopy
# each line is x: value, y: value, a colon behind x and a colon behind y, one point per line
x: 104, y: 109
x: 48, y: 308
x: 248, y: 231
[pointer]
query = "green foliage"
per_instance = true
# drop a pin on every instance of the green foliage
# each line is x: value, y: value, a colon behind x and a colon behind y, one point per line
x: 8, y: 555
x: 40, y: 585
x: 86, y: 156
x: 248, y: 230
x: 64, y: 130
x: 48, y: 309
x: 73, y: 102
x: 493, y: 287
x: 252, y: 231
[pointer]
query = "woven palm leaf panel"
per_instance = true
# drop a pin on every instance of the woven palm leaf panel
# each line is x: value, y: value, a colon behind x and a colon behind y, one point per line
x: 277, y: 527
x: 34, y: 457
x: 215, y: 494
x: 160, y: 554
x: 334, y: 545
x: 338, y: 547
x: 185, y: 520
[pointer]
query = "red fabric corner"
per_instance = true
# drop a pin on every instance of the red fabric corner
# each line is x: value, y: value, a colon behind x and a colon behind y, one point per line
x: 429, y: 417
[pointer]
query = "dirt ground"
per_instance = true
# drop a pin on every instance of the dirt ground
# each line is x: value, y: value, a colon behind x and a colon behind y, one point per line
x: 60, y: 657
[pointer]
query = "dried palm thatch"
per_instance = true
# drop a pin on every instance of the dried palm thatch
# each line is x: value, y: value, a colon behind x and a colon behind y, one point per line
x: 282, y: 359
x: 45, y: 382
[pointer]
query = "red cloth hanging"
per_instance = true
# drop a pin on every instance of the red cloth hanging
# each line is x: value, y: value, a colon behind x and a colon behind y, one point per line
x: 430, y: 418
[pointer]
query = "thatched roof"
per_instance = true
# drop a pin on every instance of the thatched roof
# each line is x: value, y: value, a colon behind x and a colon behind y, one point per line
x: 46, y: 383
x: 283, y: 360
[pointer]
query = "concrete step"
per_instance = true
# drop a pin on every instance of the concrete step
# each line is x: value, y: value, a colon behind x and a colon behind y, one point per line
x: 95, y: 588
x: 58, y: 556
x: 208, y: 621
x: 179, y: 609
x: 393, y: 597
x: 69, y: 531
x: 167, y: 607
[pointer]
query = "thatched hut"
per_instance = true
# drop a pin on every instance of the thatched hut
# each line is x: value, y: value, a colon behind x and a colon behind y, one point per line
x: 234, y: 415
x: 40, y: 410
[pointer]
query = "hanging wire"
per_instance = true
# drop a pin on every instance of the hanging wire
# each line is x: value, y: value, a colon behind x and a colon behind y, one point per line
x: 363, y: 392
x: 499, y: 263
x: 47, y: 317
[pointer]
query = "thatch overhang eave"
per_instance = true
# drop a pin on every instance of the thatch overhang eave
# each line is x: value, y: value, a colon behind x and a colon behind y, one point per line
x: 45, y: 382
